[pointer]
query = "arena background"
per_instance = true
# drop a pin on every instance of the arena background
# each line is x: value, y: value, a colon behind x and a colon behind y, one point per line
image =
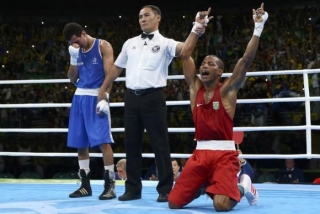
x: 47, y: 9
x: 58, y: 12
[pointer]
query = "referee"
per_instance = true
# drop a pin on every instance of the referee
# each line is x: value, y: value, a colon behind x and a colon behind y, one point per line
x: 146, y: 58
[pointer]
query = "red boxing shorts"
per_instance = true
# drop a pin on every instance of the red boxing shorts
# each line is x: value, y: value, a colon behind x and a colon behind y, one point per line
x: 216, y: 168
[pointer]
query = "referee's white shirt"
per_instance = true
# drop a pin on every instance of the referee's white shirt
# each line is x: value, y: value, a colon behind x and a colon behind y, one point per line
x: 146, y: 61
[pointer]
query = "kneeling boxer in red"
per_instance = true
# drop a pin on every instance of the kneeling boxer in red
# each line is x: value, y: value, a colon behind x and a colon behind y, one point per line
x: 215, y: 159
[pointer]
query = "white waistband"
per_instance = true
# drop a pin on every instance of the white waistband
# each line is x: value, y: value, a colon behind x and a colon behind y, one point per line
x: 89, y: 92
x: 216, y: 145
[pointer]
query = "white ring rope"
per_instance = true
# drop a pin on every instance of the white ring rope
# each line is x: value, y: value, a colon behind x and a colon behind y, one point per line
x: 151, y: 155
x: 169, y: 103
x: 173, y: 130
x: 307, y: 99
x: 171, y: 77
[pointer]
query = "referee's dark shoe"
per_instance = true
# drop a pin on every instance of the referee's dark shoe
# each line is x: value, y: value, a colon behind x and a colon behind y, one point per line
x: 85, y: 188
x: 128, y: 196
x: 162, y: 197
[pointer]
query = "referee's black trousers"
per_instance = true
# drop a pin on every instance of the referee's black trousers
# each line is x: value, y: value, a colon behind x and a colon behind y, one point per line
x: 148, y: 111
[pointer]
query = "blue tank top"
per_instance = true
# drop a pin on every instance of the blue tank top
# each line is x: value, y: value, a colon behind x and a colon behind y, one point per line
x: 90, y: 67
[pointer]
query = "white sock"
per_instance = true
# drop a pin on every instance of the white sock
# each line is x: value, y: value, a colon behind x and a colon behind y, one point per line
x: 84, y: 164
x: 111, y: 170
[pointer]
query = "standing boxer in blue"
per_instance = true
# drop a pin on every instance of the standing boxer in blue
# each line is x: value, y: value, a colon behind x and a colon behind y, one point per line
x: 90, y: 61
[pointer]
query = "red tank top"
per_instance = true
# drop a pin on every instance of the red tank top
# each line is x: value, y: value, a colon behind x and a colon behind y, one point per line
x: 211, y: 120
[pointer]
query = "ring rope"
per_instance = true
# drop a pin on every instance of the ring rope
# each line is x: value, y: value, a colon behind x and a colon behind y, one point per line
x: 307, y: 99
x: 173, y: 130
x: 169, y: 103
x: 170, y: 77
x: 151, y: 155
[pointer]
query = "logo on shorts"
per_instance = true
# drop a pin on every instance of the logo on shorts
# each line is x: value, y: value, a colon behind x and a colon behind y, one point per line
x: 215, y: 105
x: 156, y: 49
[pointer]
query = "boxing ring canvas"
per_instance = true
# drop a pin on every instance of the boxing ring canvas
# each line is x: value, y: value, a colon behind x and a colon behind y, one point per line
x: 51, y: 197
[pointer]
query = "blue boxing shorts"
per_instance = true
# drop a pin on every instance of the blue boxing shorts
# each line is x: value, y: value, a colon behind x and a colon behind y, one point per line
x: 86, y: 127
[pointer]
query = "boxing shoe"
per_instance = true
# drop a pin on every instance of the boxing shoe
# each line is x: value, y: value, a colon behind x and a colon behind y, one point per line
x: 109, y: 188
x: 250, y: 192
x: 85, y: 188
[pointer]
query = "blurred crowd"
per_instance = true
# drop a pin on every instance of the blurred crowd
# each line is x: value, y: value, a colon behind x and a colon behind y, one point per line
x: 290, y: 41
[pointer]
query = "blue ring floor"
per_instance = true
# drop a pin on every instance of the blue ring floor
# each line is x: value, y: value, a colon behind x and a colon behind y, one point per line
x: 26, y: 196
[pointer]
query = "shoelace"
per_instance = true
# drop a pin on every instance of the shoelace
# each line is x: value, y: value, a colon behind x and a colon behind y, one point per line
x: 110, y: 187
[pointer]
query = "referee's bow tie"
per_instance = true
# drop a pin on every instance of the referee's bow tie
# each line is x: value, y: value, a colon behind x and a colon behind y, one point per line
x: 144, y: 36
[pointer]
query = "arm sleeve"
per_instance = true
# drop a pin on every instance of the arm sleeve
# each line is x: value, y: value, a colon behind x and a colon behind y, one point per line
x: 122, y: 59
x: 172, y: 45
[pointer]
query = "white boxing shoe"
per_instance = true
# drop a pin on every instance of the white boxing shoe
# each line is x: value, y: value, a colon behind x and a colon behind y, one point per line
x: 250, y: 192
